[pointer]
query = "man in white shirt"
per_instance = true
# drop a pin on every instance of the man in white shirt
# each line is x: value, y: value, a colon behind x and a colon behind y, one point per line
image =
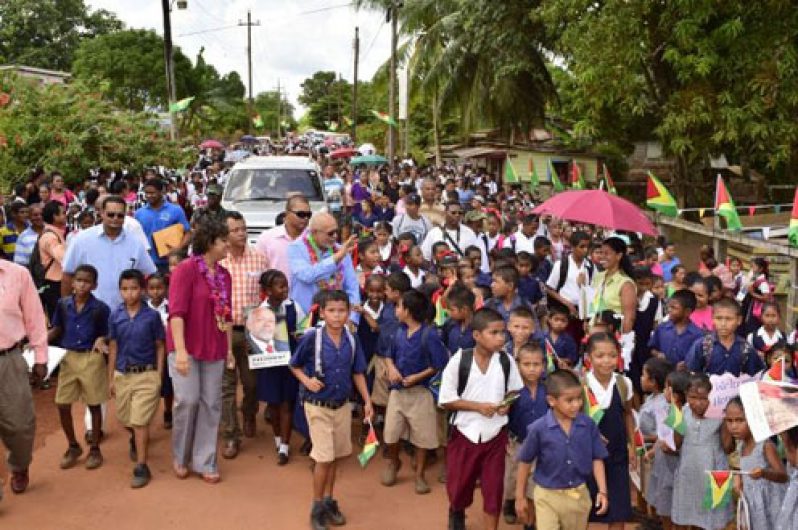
x: 455, y: 234
x: 567, y: 279
x: 525, y: 236
x: 478, y: 441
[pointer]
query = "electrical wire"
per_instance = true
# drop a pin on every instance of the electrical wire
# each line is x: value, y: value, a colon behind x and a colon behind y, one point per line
x: 200, y: 32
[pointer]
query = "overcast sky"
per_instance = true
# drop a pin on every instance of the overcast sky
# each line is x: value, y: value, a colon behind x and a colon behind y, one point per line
x: 295, y: 38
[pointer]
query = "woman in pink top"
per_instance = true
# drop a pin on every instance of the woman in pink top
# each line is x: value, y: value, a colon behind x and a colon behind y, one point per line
x: 58, y: 192
x: 199, y: 340
x: 702, y: 315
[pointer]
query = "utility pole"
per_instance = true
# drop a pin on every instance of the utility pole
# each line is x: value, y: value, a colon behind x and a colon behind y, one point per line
x: 394, y: 15
x: 279, y: 110
x: 354, y: 87
x: 338, y: 118
x: 170, y: 74
x: 249, y: 25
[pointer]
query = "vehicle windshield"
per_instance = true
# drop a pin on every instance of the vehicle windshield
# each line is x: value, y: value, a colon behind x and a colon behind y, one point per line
x: 272, y: 184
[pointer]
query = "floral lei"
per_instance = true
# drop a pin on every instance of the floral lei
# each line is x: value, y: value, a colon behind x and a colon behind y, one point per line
x: 216, y: 284
x: 334, y: 282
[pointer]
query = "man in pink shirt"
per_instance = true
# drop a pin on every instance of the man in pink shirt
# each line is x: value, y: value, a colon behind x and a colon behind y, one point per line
x: 273, y: 243
x: 23, y: 317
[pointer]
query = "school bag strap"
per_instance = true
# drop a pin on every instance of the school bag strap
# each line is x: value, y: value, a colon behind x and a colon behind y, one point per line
x: 318, y: 366
x: 709, y: 341
x: 464, y: 369
x: 565, y: 263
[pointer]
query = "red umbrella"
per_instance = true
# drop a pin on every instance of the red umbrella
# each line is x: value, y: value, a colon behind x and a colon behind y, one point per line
x: 597, y: 207
x: 344, y: 152
x: 212, y: 144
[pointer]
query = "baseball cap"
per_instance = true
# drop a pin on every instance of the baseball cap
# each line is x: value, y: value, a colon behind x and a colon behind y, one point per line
x: 413, y: 198
x: 475, y: 215
x: 214, y: 189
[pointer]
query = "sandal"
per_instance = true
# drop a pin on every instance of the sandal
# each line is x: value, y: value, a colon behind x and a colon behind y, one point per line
x: 181, y: 472
x: 211, y: 478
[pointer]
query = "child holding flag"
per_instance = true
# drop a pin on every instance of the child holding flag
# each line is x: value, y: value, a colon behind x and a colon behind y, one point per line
x: 762, y: 477
x: 703, y: 449
x: 659, y: 494
x: 609, y: 403
x: 530, y: 405
x: 563, y: 344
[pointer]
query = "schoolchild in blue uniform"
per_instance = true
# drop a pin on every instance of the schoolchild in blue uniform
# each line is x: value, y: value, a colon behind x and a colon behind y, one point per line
x: 457, y: 332
x: 529, y: 286
x: 673, y: 338
x: 523, y: 328
x: 276, y: 385
x: 566, y: 447
x: 528, y: 408
x: 724, y: 351
x: 562, y: 342
x: 371, y: 319
x: 328, y: 363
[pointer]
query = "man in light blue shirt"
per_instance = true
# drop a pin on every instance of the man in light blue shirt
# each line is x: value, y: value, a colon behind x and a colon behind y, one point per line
x: 316, y: 264
x: 110, y: 249
x: 157, y: 215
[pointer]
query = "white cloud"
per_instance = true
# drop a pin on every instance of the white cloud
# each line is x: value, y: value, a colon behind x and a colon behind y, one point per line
x: 295, y: 37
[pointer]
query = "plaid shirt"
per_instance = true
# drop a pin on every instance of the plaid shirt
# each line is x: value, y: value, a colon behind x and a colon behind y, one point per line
x: 245, y: 272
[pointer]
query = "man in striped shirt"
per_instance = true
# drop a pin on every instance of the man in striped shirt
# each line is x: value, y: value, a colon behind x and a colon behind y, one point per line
x: 27, y: 239
x: 245, y: 264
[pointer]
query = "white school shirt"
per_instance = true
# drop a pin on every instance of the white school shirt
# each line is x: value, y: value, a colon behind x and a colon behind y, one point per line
x: 570, y: 289
x: 415, y: 280
x: 486, y: 388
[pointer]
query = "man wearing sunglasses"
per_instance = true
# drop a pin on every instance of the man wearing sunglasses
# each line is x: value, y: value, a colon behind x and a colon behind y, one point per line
x: 319, y: 264
x: 273, y: 243
x: 454, y: 233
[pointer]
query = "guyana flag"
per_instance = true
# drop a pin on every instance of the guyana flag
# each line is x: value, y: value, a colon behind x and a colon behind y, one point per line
x: 332, y: 125
x: 609, y: 181
x: 639, y: 441
x: 348, y: 121
x: 592, y: 407
x: 776, y: 371
x: 724, y: 205
x: 551, y: 357
x: 659, y: 198
x: 534, y: 180
x: 718, y: 489
x: 675, y: 419
x: 180, y: 106
x: 551, y: 172
x: 257, y: 121
x: 792, y: 232
x: 510, y: 176
x: 369, y: 448
x: 577, y: 180
x: 385, y: 118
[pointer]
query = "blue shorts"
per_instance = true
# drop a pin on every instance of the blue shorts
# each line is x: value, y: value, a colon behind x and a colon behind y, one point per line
x: 277, y: 385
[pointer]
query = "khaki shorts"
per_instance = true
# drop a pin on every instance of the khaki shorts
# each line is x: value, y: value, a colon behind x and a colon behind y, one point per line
x: 330, y: 432
x: 411, y: 410
x: 379, y: 391
x: 82, y: 377
x: 137, y: 397
x: 567, y: 508
x: 511, y: 471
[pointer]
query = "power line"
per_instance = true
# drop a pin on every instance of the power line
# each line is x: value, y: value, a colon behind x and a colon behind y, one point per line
x: 365, y: 56
x: 324, y: 9
x: 207, y: 31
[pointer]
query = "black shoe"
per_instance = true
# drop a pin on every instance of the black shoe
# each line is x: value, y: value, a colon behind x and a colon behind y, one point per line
x: 132, y: 452
x: 457, y: 520
x: 318, y: 517
x: 334, y: 515
x: 141, y: 476
x: 90, y: 437
x: 282, y: 459
x: 529, y: 527
x: 510, y: 517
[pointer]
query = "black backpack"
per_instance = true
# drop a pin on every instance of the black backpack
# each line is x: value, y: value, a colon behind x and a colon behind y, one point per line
x: 565, y: 262
x: 37, y: 269
x: 464, y: 370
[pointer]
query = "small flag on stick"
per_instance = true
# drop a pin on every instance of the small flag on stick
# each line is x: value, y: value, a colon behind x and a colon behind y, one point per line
x: 675, y: 419
x: 718, y: 489
x: 724, y: 206
x: 554, y: 178
x: 639, y: 441
x: 659, y: 198
x: 577, y: 180
x: 792, y: 231
x: 510, y: 176
x: 776, y: 371
x: 551, y: 357
x: 385, y: 118
x: 592, y: 407
x: 180, y: 106
x: 369, y: 448
x: 610, y: 182
x: 534, y: 180
x: 257, y: 121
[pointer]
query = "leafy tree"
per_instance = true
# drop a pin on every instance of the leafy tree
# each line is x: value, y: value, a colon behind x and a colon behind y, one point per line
x: 47, y: 33
x: 75, y: 128
x: 268, y: 105
x: 328, y: 99
x: 132, y: 62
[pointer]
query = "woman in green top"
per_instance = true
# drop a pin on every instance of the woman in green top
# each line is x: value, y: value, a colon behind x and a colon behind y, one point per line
x: 615, y: 289
x: 677, y: 283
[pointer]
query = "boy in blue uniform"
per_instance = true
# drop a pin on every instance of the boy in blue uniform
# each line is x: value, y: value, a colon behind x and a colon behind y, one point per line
x: 673, y: 338
x: 457, y: 332
x: 417, y: 354
x: 529, y: 286
x: 135, y: 365
x: 530, y: 405
x: 505, y: 292
x: 724, y: 351
x: 522, y: 329
x: 327, y: 362
x: 80, y: 322
x: 566, y: 447
x: 562, y: 342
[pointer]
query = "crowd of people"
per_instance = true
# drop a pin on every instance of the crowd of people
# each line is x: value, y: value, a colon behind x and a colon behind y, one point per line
x: 429, y: 304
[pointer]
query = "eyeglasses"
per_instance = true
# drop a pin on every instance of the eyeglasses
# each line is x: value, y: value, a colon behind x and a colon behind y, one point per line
x: 455, y: 212
x: 302, y: 214
x: 115, y: 215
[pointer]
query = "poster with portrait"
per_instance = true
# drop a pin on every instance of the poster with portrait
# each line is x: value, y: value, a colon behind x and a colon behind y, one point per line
x: 268, y: 341
x: 770, y: 407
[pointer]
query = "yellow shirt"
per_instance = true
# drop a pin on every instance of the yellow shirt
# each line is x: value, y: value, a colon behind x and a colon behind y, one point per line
x: 608, y: 291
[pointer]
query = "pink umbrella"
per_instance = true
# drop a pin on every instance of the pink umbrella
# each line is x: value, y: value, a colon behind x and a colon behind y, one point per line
x: 597, y: 207
x: 344, y: 152
x: 212, y: 144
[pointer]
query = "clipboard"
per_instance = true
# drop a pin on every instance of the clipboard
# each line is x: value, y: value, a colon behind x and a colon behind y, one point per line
x: 168, y: 239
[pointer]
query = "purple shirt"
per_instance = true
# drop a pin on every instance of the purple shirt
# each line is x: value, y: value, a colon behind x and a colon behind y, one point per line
x: 360, y: 192
x: 190, y: 299
x: 562, y: 460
